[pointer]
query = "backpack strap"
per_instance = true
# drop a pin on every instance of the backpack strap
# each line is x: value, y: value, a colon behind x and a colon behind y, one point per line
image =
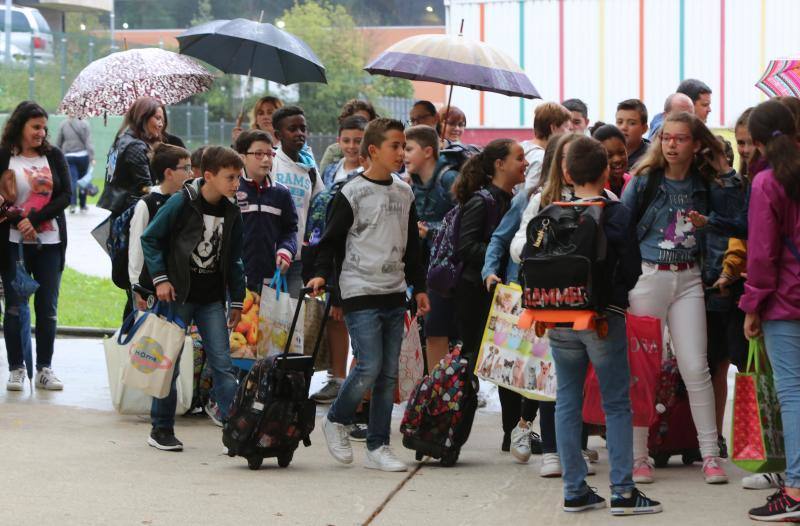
x: 492, y: 211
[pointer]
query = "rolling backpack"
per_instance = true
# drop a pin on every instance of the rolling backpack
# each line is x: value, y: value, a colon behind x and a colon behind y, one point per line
x: 564, y: 259
x: 446, y: 267
x: 440, y: 411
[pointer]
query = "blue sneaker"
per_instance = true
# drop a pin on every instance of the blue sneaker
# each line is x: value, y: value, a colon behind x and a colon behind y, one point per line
x: 637, y: 504
x: 588, y: 501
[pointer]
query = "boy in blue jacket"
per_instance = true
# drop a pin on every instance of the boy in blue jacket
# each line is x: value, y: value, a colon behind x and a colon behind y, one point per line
x: 573, y: 350
x: 193, y: 251
x: 268, y: 213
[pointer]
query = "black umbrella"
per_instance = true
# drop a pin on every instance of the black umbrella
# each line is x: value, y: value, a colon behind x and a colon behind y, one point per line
x: 246, y: 47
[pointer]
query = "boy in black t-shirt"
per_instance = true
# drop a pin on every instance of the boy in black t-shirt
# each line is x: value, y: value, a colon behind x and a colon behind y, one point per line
x: 193, y: 251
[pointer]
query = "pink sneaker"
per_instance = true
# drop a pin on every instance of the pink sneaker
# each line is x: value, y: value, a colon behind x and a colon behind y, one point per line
x: 713, y: 472
x: 643, y: 471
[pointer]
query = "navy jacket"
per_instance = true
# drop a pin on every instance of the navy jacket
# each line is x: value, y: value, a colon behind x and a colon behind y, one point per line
x: 623, y: 259
x: 269, y: 225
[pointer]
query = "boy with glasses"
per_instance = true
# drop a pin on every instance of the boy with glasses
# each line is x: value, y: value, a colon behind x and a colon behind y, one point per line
x: 268, y: 213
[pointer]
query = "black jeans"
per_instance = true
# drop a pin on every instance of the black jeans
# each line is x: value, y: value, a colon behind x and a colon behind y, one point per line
x: 472, y: 308
x: 43, y: 262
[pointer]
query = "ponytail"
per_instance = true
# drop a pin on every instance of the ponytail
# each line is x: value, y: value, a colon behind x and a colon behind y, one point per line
x: 478, y: 171
x: 772, y: 124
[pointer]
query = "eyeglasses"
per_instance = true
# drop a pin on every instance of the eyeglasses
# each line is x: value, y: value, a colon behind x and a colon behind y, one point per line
x: 185, y: 167
x: 420, y: 118
x: 680, y: 138
x: 261, y: 155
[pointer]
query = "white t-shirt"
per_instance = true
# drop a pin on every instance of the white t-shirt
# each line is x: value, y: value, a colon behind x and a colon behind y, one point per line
x: 534, y: 154
x: 34, y: 191
x: 296, y: 177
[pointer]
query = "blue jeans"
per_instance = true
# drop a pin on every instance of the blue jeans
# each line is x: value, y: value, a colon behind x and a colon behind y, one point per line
x: 782, y: 338
x: 572, y: 352
x: 376, y: 336
x: 213, y: 327
x: 44, y: 264
x: 78, y: 166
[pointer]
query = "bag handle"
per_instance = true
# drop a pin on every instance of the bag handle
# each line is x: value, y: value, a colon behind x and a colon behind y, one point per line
x: 755, y: 357
x: 162, y: 309
x: 278, y: 282
x: 300, y: 301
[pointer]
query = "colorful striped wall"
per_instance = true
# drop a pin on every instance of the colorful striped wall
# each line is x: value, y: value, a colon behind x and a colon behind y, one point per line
x: 604, y: 51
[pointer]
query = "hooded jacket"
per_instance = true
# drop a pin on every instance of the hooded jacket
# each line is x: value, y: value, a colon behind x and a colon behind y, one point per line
x: 175, y: 231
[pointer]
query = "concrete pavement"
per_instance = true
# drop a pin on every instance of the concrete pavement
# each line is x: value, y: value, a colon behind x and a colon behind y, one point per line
x: 67, y: 459
x: 84, y: 254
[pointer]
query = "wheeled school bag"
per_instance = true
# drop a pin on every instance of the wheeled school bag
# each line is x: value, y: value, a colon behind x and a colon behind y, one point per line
x: 563, y: 261
x: 440, y: 411
x: 272, y: 413
x: 673, y: 433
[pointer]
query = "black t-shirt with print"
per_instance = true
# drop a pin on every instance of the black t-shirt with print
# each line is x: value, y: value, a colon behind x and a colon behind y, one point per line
x: 207, y: 283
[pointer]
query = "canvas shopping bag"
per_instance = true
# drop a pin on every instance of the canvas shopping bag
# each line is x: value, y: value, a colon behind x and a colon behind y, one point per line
x: 757, y: 427
x: 645, y: 348
x: 276, y: 314
x: 412, y: 366
x: 154, y: 343
x: 130, y: 401
x: 315, y: 312
x: 244, y: 337
x: 511, y: 357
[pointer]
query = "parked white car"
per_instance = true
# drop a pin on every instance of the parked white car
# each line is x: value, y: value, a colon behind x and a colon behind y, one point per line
x: 30, y: 33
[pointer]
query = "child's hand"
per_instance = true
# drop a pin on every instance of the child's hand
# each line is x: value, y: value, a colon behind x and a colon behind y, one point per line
x: 752, y: 325
x: 423, y: 229
x: 234, y: 317
x: 723, y: 283
x: 282, y: 262
x: 491, y: 281
x: 140, y: 303
x: 423, y: 304
x: 165, y: 292
x: 697, y: 219
x: 317, y: 285
x: 337, y: 314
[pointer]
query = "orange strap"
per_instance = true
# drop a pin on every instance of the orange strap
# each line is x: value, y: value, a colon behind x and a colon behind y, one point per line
x: 581, y: 319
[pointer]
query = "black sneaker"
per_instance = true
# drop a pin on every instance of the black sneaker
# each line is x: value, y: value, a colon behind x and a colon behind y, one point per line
x: 723, y: 447
x: 358, y: 433
x: 637, y: 504
x: 780, y: 507
x: 588, y: 501
x: 536, y: 444
x: 164, y: 439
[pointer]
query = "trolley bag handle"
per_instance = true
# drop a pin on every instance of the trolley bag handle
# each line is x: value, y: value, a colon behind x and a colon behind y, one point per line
x: 300, y: 302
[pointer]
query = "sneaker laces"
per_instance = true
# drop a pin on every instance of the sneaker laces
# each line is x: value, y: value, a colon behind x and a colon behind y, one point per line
x: 639, y: 462
x: 48, y: 372
x: 17, y: 375
x: 388, y: 453
x: 779, y: 500
x: 711, y: 462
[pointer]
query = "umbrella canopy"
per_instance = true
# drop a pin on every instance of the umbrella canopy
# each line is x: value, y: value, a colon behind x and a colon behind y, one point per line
x: 454, y: 60
x: 782, y: 78
x: 111, y: 84
x: 245, y: 47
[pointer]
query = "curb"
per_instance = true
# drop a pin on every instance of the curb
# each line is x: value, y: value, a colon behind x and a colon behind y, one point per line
x: 85, y: 332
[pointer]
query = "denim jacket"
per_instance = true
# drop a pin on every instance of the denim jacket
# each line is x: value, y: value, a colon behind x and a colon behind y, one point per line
x: 433, y: 200
x: 497, y: 253
x: 724, y: 203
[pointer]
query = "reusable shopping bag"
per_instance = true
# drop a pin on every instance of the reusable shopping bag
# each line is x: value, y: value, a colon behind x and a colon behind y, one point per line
x: 511, y: 357
x: 412, y: 366
x: 129, y: 401
x: 645, y: 349
x: 154, y: 344
x: 276, y: 313
x: 244, y: 337
x: 757, y: 427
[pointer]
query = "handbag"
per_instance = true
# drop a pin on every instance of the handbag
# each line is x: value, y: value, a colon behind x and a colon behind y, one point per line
x: 275, y: 319
x: 757, y: 428
x: 411, y: 367
x: 129, y: 401
x: 113, y: 199
x: 154, y: 343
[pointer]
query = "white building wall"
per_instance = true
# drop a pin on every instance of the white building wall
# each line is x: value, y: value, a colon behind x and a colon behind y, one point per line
x: 601, y: 51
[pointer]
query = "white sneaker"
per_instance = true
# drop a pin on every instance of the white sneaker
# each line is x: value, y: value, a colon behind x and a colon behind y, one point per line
x: 521, y: 443
x: 551, y: 465
x: 338, y: 441
x: 47, y: 379
x: 16, y: 380
x: 384, y: 459
x: 589, y: 466
x: 762, y: 481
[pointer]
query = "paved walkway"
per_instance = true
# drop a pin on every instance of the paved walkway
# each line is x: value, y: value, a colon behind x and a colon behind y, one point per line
x: 68, y: 459
x: 84, y: 254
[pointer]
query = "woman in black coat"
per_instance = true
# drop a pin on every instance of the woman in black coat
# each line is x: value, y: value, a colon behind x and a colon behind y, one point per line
x: 37, y: 225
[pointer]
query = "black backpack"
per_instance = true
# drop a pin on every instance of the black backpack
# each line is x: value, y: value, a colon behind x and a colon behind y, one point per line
x: 119, y: 240
x: 564, y: 259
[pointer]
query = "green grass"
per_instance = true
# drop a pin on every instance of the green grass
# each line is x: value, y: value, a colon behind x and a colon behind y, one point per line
x: 88, y: 301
